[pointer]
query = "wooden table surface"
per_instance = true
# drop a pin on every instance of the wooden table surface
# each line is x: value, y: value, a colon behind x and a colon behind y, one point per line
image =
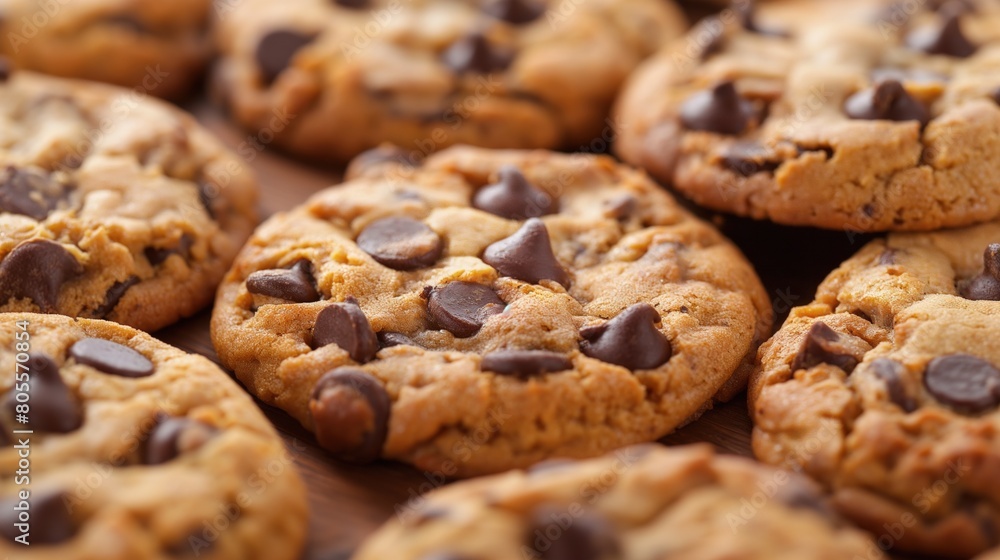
x: 349, y: 502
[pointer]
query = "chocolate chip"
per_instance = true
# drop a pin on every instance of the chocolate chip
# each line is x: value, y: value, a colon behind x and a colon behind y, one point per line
x: 461, y: 308
x: 54, y: 409
x: 963, y: 382
x: 892, y: 373
x: 748, y: 158
x: 621, y: 207
x: 350, y: 410
x: 720, y: 109
x: 475, y: 53
x: 345, y: 325
x: 50, y: 523
x: 824, y: 345
x: 30, y: 194
x: 888, y: 100
x: 588, y: 537
x: 353, y: 4
x: 37, y: 270
x: 525, y: 363
x: 513, y: 197
x: 401, y: 243
x: 5, y: 69
x: 114, y: 295
x: 276, y: 50
x: 174, y: 436
x: 390, y: 339
x: 111, y: 357
x: 986, y: 286
x: 527, y: 255
x: 514, y: 11
x: 379, y: 156
x: 946, y: 39
x: 630, y: 339
x: 745, y: 10
x: 296, y: 283
x: 157, y: 255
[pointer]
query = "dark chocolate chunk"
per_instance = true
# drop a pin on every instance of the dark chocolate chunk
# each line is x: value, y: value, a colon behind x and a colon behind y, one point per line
x: 401, y: 243
x: 53, y: 408
x: 888, y: 100
x: 296, y: 283
x: 513, y: 197
x: 517, y: 12
x: 946, y: 39
x: 276, y: 50
x: 748, y: 158
x: 390, y: 339
x: 985, y: 286
x: 353, y: 4
x: 630, y: 339
x: 461, y: 308
x: 588, y: 537
x: 350, y: 410
x: 720, y: 109
x: 30, y: 193
x: 891, y: 373
x: 525, y: 363
x: 37, y: 270
x: 527, y: 255
x: 158, y: 255
x: 345, y: 325
x: 114, y: 295
x: 965, y: 383
x: 111, y: 357
x: 174, y: 436
x: 474, y: 53
x: 50, y: 521
x: 823, y: 345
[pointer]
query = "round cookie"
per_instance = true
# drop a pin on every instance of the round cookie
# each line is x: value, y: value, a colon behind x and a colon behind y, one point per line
x: 136, y: 450
x: 156, y: 47
x: 329, y: 79
x: 641, y: 503
x: 402, y: 315
x: 862, y: 116
x: 113, y: 206
x: 886, y: 388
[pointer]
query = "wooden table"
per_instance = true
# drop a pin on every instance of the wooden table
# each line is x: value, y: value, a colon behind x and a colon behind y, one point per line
x: 349, y: 502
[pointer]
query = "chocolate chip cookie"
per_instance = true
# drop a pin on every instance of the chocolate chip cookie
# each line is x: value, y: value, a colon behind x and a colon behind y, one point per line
x: 488, y: 310
x: 112, y: 206
x: 886, y: 388
x: 115, y: 445
x: 158, y: 48
x: 640, y: 503
x: 329, y: 79
x: 862, y: 116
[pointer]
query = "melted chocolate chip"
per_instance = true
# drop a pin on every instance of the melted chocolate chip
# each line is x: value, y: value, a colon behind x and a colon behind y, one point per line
x: 517, y: 12
x: 748, y: 158
x: 527, y: 255
x: 114, y: 295
x: 276, y: 50
x: 986, y: 286
x: 29, y: 193
x: 54, y: 409
x: 345, y: 325
x: 946, y: 39
x: 824, y: 345
x: 630, y: 339
x: 892, y: 373
x: 525, y: 363
x: 157, y: 255
x: 622, y: 207
x: 721, y: 110
x: 474, y: 53
x: 745, y: 10
x: 172, y: 437
x: 401, y: 243
x: 37, y: 270
x: 350, y: 410
x: 965, y: 383
x: 462, y: 308
x: 888, y: 100
x: 390, y: 339
x: 50, y: 523
x: 513, y: 197
x: 588, y: 537
x: 296, y: 284
x: 111, y: 357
